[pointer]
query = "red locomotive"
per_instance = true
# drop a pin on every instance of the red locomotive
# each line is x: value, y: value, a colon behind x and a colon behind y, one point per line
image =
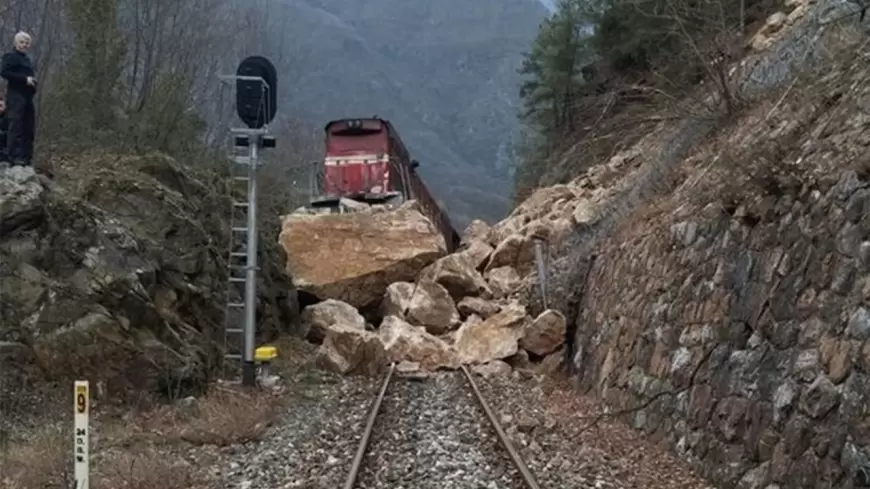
x: 366, y: 161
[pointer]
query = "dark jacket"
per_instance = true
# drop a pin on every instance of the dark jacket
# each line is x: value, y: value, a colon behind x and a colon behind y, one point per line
x: 16, y: 67
x: 4, y: 128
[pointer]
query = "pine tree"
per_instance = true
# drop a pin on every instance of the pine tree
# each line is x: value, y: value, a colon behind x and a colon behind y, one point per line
x: 89, y: 91
x: 552, y: 71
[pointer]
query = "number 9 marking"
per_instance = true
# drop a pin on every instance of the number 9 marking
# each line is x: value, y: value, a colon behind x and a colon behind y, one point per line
x: 81, y: 403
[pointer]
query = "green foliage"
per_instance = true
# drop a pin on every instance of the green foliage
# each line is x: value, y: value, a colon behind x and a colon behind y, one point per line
x: 596, y: 64
x: 627, y: 39
x: 91, y: 105
x: 531, y: 149
x: 552, y: 68
x: 167, y: 121
x: 91, y: 81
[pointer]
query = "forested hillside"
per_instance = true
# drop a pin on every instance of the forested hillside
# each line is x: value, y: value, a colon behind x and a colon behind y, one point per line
x: 601, y: 72
x: 137, y: 75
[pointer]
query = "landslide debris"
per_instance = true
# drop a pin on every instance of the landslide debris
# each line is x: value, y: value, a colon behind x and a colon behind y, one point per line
x: 451, y: 311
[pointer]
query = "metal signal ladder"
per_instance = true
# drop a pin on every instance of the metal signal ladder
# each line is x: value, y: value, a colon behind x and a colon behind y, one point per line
x: 234, y: 317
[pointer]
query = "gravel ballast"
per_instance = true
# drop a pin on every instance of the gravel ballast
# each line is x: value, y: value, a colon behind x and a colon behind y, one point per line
x: 312, y: 444
x: 433, y: 434
x: 430, y: 433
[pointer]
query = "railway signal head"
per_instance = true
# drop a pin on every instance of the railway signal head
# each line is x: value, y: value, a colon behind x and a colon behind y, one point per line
x: 267, y: 142
x: 256, y: 104
x: 244, y: 141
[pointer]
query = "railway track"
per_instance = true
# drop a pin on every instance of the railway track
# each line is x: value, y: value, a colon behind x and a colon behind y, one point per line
x: 406, y: 446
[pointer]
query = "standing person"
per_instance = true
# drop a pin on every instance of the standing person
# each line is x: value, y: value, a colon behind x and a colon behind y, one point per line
x: 20, y: 76
x: 4, y: 126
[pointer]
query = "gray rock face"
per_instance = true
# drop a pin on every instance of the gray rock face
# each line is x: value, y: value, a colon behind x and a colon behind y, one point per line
x: 20, y: 197
x: 117, y: 267
x: 736, y: 315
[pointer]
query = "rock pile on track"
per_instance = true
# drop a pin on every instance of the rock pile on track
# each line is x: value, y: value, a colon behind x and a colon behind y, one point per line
x: 454, y: 312
x: 436, y: 310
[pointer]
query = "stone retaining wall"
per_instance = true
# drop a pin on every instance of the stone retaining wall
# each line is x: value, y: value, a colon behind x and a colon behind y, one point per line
x: 747, y: 334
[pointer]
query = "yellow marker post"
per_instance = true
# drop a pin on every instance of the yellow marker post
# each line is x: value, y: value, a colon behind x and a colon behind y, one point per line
x: 81, y: 448
x: 263, y: 357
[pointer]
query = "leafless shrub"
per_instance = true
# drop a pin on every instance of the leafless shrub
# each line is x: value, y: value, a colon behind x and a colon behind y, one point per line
x: 144, y: 469
x: 43, y: 461
x: 765, y: 156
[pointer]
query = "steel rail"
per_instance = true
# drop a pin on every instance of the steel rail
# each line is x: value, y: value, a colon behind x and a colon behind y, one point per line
x: 515, y: 456
x: 367, y: 434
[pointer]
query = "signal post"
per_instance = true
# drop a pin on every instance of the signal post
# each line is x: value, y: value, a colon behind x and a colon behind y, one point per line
x: 256, y: 106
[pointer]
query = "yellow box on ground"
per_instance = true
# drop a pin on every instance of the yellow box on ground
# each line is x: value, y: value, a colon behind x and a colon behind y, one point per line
x: 265, y: 354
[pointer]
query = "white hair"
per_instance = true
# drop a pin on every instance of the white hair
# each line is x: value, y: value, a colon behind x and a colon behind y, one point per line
x: 22, y: 36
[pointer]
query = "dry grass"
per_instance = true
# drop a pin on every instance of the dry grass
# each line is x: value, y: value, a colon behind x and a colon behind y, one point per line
x: 794, y: 135
x: 644, y: 460
x: 224, y: 417
x: 144, y: 470
x: 146, y: 452
x: 43, y: 461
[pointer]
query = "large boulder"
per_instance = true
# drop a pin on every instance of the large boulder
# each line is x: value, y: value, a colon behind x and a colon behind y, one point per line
x: 477, y: 253
x: 542, y: 206
x: 318, y: 318
x: 495, y: 368
x: 476, y: 230
x: 353, y: 257
x: 458, y: 275
x: 493, y: 339
x: 426, y: 304
x: 477, y: 306
x: 545, y: 334
x: 350, y: 350
x: 503, y: 281
x: 404, y: 342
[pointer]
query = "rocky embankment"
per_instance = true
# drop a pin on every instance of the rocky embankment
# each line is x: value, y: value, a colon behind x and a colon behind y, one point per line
x: 114, y: 271
x: 732, y: 321
x: 727, y: 317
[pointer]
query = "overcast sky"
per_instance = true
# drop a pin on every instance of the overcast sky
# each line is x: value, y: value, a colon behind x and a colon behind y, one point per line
x: 549, y: 4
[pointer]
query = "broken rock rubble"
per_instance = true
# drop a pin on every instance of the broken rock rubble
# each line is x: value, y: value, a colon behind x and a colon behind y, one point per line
x: 458, y: 310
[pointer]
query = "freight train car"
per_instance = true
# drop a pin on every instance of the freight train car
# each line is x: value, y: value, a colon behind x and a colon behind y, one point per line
x: 366, y: 161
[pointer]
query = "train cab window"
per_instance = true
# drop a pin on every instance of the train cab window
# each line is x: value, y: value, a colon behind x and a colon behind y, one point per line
x: 397, y: 177
x: 356, y: 127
